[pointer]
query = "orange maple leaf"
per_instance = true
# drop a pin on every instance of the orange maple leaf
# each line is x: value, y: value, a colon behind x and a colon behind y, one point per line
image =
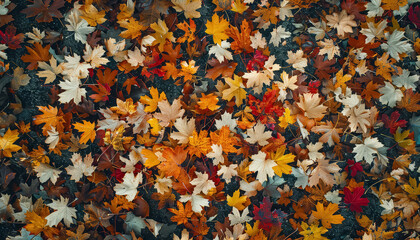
x: 369, y: 91
x: 242, y: 40
x: 173, y: 160
x: 51, y: 117
x: 222, y: 138
x: 183, y: 214
x: 36, y: 54
x: 88, y: 130
x: 410, y: 101
x: 199, y: 144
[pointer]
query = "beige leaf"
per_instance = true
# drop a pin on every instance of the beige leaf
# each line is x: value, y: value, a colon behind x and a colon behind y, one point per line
x: 310, y: 104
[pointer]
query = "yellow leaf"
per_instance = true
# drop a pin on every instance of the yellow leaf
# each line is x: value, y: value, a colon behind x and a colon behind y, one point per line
x: 413, y: 188
x: 134, y: 28
x: 341, y: 80
x: 252, y: 231
x: 326, y: 214
x: 236, y: 201
x: 239, y: 7
x: 400, y: 138
x: 162, y: 33
x: 152, y: 159
x: 92, y: 16
x: 154, y: 123
x: 217, y: 28
x: 152, y: 102
x: 88, y: 130
x: 6, y: 143
x: 286, y: 119
x: 282, y: 161
x: 209, y: 102
x: 236, y: 90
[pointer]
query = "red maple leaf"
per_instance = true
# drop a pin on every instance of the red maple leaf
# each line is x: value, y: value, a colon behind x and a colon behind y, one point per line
x: 355, y: 199
x: 392, y: 122
x: 264, y: 214
x: 360, y: 43
x: 414, y: 15
x: 10, y: 39
x: 265, y: 109
x: 354, y: 167
x: 43, y: 11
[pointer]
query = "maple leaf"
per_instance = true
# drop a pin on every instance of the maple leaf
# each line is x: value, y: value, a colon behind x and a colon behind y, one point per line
x: 72, y: 91
x: 199, y: 144
x: 242, y: 41
x: 358, y: 117
x: 297, y: 60
x: 52, y: 117
x: 410, y: 101
x: 342, y: 22
x: 236, y: 90
x: 152, y: 102
x: 134, y: 28
x: 63, y: 212
x: 400, y: 138
x: 221, y: 52
x: 45, y: 172
x: 161, y: 34
x: 173, y: 160
x: 267, y: 218
x: 282, y: 161
x: 129, y: 185
x: 189, y: 7
x: 43, y: 11
x: 185, y: 129
x: 238, y: 218
x: 36, y: 223
x: 263, y: 166
x: 392, y: 122
x: 217, y: 27
x: 80, y: 167
x: 394, y: 46
x: 169, y: 113
x: 323, y: 68
x: 92, y: 15
x: 19, y: 78
x: 79, y: 235
x: 94, y: 57
x: 364, y: 151
x: 202, y: 183
x: 88, y: 129
x: 50, y: 71
x: 310, y: 104
x: 313, y: 232
x: 369, y: 91
x: 224, y: 69
x: 390, y: 95
x: 223, y: 139
x: 79, y: 26
x: 197, y: 202
x: 257, y: 134
x: 393, y: 4
x: 326, y: 215
x: 236, y: 201
x: 323, y: 172
x: 7, y: 145
x: 355, y: 198
x: 329, y: 48
x: 36, y: 54
x: 183, y: 214
x: 228, y: 172
x: 286, y: 118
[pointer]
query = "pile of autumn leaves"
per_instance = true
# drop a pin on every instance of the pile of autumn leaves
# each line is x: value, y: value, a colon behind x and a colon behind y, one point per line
x: 295, y: 145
